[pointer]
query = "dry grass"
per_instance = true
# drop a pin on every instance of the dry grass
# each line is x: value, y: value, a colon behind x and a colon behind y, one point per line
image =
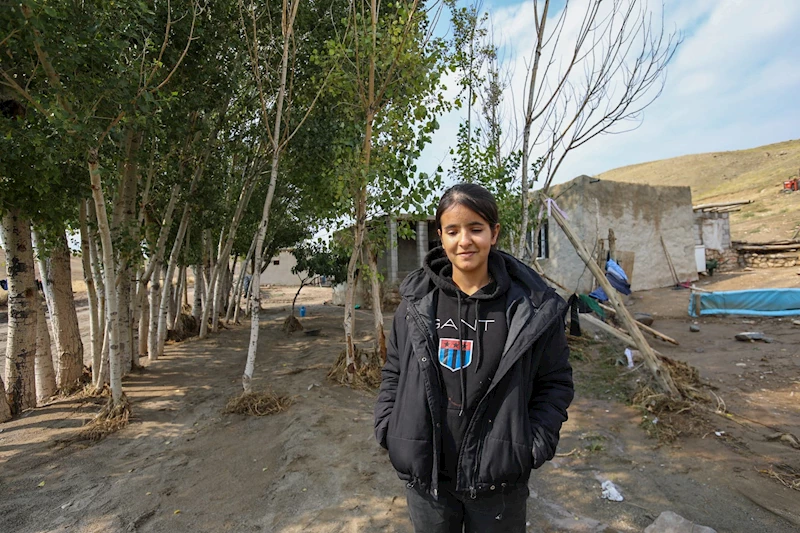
x: 110, y: 419
x: 291, y: 324
x: 599, y: 373
x: 755, y: 174
x: 366, y: 374
x: 257, y: 404
x: 783, y: 474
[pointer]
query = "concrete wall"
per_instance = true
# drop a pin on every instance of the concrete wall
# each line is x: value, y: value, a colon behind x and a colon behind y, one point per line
x: 713, y: 230
x: 408, y: 251
x: 639, y: 216
x: 281, y: 274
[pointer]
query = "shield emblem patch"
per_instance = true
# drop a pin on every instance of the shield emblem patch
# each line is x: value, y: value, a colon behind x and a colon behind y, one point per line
x: 449, y: 356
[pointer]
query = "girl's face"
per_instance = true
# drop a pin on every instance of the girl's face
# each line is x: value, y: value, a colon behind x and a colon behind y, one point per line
x: 467, y: 239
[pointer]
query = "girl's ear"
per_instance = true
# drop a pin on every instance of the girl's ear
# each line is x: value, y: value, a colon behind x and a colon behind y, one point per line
x: 495, y: 233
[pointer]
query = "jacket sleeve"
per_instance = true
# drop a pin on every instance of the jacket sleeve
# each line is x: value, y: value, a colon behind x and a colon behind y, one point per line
x: 390, y: 375
x: 552, y: 393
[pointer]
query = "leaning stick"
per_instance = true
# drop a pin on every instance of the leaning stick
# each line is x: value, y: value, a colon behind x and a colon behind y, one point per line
x: 661, y: 374
x: 669, y: 262
x: 646, y: 328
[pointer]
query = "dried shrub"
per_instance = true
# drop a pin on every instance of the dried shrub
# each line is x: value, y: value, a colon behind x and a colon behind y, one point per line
x: 291, y: 324
x: 365, y: 374
x: 187, y: 326
x: 110, y: 419
x: 257, y: 404
x: 90, y: 392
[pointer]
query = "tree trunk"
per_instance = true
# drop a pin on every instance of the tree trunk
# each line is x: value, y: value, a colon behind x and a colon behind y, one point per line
x: 56, y: 274
x: 240, y: 284
x: 110, y: 281
x: 255, y: 300
x: 95, y: 333
x: 197, y: 305
x: 5, y: 409
x: 45, y: 374
x: 125, y: 323
x: 377, y: 313
x: 22, y: 313
x: 166, y: 292
x: 97, y: 376
x: 178, y: 297
x: 144, y: 322
x: 155, y: 298
x: 526, y: 133
x: 65, y: 318
x: 224, y: 253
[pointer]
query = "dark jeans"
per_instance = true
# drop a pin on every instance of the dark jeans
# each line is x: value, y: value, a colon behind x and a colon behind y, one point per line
x: 457, y: 512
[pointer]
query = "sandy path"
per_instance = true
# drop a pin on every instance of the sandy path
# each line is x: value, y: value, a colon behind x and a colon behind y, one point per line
x: 184, y: 466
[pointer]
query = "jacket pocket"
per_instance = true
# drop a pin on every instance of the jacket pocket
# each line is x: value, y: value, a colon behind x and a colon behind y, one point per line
x: 411, y: 457
x: 503, y: 461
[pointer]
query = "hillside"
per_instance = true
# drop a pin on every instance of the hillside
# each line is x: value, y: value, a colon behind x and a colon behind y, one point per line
x: 754, y: 174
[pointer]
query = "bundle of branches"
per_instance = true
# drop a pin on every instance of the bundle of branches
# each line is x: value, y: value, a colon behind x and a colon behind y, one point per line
x: 185, y: 327
x: 110, y: 419
x: 366, y: 375
x: 291, y: 324
x: 89, y: 391
x: 257, y: 404
x: 667, y: 418
x: 784, y: 474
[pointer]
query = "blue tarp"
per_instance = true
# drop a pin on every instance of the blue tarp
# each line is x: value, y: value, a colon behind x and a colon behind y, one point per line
x: 759, y: 302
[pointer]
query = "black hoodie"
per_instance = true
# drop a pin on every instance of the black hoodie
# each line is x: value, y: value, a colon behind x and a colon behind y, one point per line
x: 478, y: 324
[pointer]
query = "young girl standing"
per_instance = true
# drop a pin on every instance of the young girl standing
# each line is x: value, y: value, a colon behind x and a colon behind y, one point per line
x: 477, y: 380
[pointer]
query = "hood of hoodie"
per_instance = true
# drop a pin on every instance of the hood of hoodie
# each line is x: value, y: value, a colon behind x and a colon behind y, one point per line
x: 440, y: 271
x: 506, y: 270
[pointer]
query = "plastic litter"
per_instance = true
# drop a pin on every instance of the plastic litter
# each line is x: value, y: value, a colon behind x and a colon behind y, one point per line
x: 629, y: 356
x: 611, y: 492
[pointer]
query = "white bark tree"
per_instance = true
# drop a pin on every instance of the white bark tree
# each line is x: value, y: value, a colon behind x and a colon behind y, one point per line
x: 45, y: 374
x: 56, y: 273
x: 95, y: 330
x: 109, y: 281
x: 22, y: 313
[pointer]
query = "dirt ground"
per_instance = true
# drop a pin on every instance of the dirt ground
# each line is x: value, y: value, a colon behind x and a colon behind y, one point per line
x: 183, y: 465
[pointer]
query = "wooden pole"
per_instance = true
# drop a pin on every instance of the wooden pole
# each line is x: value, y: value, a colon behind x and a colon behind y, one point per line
x: 661, y: 374
x: 721, y: 204
x: 669, y: 262
x: 612, y: 244
x: 643, y: 327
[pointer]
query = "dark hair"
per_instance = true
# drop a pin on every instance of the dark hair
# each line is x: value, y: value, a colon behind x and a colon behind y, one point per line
x: 471, y: 196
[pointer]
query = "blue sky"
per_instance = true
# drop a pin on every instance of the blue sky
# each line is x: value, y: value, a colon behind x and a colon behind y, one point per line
x: 734, y: 83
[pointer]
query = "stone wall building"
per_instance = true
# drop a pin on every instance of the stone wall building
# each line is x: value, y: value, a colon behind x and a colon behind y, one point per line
x: 639, y: 215
x: 712, y: 232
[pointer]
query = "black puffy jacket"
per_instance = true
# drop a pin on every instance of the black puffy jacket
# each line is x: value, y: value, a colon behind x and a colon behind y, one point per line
x: 516, y: 425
